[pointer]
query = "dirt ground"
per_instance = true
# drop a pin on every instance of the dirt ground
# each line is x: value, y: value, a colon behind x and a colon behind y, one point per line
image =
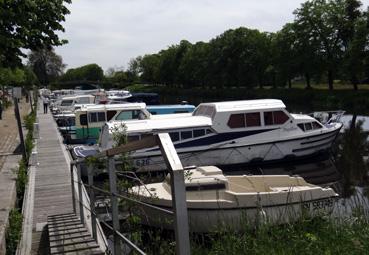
x: 9, y: 130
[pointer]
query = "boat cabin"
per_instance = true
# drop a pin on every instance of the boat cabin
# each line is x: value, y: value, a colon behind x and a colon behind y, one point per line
x: 68, y: 103
x: 89, y: 120
x: 221, y: 121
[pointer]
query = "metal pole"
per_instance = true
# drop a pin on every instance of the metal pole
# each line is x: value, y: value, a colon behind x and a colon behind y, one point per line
x: 92, y: 200
x: 81, y: 213
x: 114, y: 202
x: 180, y: 210
x: 73, y: 190
x: 30, y: 100
x: 16, y: 111
x: 179, y: 203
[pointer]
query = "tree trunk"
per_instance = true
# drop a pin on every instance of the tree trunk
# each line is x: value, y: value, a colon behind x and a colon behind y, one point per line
x: 354, y: 82
x: 307, y: 78
x: 353, y: 122
x: 330, y: 79
x: 289, y: 83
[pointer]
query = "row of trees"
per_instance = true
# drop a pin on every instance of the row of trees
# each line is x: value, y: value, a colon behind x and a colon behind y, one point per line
x: 328, y: 40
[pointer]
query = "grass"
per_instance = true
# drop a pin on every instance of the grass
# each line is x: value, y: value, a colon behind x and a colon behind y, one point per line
x: 309, y: 236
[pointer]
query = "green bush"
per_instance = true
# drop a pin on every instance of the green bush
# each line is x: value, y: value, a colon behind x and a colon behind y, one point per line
x: 13, y: 232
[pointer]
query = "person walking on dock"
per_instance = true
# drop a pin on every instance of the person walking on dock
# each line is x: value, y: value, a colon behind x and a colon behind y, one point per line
x: 46, y: 104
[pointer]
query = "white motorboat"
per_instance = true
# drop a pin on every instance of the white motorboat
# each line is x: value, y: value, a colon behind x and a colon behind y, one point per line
x: 228, y: 134
x: 215, y: 201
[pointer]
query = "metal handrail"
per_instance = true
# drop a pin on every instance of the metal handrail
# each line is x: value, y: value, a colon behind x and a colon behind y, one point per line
x: 177, y: 187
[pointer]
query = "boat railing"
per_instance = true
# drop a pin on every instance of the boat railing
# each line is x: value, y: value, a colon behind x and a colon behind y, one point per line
x: 85, y: 204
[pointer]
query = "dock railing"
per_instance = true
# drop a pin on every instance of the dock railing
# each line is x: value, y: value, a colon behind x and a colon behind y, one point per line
x: 85, y: 201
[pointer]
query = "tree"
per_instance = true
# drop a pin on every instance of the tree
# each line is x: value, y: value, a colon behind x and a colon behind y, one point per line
x: 91, y: 72
x: 29, y: 24
x: 354, y: 34
x: 46, y: 64
x: 149, y: 68
x: 239, y: 57
x: 133, y: 70
x: 322, y: 20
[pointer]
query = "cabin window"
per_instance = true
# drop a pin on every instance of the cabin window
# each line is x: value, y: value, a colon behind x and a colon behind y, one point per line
x: 84, y: 100
x: 186, y: 135
x: 66, y: 103
x: 83, y: 119
x: 198, y: 132
x: 110, y: 115
x: 97, y: 116
x: 279, y: 117
x: 174, y: 136
x: 268, y: 118
x: 101, y: 117
x: 206, y: 186
x: 236, y: 120
x: 253, y: 119
x: 153, y: 113
x: 308, y: 126
x: 316, y: 125
x: 275, y: 118
x: 180, y: 111
x: 204, y: 110
x: 132, y: 138
x: 209, y: 131
x: 131, y: 115
x: 301, y: 126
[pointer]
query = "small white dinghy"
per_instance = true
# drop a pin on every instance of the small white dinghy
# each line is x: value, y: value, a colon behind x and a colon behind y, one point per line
x: 229, y: 202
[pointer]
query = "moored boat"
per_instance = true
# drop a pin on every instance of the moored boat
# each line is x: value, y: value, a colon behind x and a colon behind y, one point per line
x: 215, y: 201
x: 228, y: 133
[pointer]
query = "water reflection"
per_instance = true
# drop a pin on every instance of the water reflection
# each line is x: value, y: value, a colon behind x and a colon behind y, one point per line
x: 350, y: 155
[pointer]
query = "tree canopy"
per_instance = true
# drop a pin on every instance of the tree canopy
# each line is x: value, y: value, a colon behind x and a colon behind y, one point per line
x: 46, y: 65
x: 90, y: 72
x: 29, y: 24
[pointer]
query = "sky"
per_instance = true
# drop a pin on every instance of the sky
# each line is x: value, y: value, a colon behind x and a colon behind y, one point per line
x: 111, y: 32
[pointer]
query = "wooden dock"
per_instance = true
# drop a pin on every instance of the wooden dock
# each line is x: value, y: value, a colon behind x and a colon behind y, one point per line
x: 49, y: 194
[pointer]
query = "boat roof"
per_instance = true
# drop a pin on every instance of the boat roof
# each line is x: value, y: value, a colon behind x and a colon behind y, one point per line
x: 301, y: 116
x: 179, y: 106
x: 101, y: 107
x: 149, y: 125
x: 76, y: 96
x: 245, y: 105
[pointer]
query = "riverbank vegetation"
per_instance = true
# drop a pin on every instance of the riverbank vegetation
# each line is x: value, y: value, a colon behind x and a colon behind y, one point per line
x: 14, y: 228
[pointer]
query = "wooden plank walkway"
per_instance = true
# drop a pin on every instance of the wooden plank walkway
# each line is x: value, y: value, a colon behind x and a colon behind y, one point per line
x: 52, y: 188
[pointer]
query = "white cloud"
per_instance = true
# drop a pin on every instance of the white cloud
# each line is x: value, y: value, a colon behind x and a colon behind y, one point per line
x: 111, y: 32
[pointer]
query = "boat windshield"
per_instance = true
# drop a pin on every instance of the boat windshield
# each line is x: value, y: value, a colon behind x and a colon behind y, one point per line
x: 205, y: 110
x: 66, y: 103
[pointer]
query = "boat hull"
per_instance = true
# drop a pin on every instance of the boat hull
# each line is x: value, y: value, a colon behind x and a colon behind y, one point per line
x: 235, y: 153
x: 239, y: 219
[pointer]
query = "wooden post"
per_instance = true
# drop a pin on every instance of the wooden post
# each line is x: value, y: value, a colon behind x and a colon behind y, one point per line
x: 17, y: 116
